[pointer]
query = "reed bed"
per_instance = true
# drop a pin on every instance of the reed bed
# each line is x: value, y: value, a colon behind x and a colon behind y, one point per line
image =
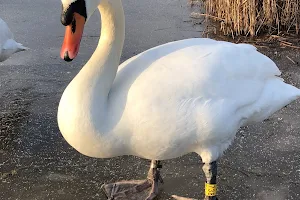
x: 253, y: 17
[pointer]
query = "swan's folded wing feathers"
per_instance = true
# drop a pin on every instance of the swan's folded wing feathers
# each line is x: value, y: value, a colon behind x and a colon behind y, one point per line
x: 215, y: 70
x: 249, y: 80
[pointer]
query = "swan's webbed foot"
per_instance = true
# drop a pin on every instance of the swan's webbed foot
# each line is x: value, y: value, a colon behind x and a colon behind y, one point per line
x: 126, y: 190
x: 136, y: 190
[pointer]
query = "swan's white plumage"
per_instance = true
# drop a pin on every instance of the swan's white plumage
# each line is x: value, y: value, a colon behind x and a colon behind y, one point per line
x: 8, y: 45
x: 190, y: 95
x: 184, y: 96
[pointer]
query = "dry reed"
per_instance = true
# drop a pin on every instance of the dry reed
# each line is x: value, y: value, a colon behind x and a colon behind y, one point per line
x: 252, y: 17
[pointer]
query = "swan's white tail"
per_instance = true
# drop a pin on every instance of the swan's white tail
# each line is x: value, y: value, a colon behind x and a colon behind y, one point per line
x: 9, y: 48
x: 13, y: 46
x: 275, y: 96
x: 20, y: 47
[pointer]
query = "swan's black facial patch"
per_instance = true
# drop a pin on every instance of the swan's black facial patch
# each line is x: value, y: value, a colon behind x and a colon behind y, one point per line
x: 67, y: 14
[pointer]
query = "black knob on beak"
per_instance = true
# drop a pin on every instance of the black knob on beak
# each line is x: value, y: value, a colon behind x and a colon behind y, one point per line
x: 68, y: 13
x: 67, y: 16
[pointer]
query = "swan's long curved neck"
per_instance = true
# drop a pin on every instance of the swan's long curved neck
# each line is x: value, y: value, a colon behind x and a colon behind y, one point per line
x: 101, y: 69
x: 83, y: 108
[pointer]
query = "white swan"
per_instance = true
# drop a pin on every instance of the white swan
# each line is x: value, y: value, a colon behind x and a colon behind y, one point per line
x: 185, y: 96
x: 8, y: 45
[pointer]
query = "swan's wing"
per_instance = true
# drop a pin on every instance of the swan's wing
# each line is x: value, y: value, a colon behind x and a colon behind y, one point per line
x: 221, y: 81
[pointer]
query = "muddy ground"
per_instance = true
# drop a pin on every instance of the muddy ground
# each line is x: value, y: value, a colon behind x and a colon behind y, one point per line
x: 37, y: 164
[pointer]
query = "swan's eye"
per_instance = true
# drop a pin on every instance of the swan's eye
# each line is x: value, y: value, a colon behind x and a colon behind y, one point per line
x: 68, y: 12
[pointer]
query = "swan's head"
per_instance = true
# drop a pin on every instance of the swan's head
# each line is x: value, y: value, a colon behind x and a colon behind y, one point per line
x: 74, y: 15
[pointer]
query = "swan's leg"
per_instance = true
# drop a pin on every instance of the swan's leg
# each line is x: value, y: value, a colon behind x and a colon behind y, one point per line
x: 155, y: 177
x: 126, y: 189
x: 210, y: 171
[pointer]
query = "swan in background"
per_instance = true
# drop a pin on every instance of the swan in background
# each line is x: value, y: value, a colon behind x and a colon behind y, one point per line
x: 185, y: 96
x: 8, y: 45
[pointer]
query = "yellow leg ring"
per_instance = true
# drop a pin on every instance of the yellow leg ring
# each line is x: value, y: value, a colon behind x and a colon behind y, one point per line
x: 210, y: 190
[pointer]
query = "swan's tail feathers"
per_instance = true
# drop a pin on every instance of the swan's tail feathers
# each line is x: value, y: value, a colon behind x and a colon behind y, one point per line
x: 275, y: 96
x: 290, y: 92
x: 21, y: 47
x: 9, y: 48
x: 295, y: 91
x: 13, y: 46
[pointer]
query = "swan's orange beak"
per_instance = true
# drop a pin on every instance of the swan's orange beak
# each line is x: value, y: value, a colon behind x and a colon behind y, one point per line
x: 73, y: 35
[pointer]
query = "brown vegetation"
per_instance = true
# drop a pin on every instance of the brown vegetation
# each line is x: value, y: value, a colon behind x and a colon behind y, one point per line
x: 252, y: 17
